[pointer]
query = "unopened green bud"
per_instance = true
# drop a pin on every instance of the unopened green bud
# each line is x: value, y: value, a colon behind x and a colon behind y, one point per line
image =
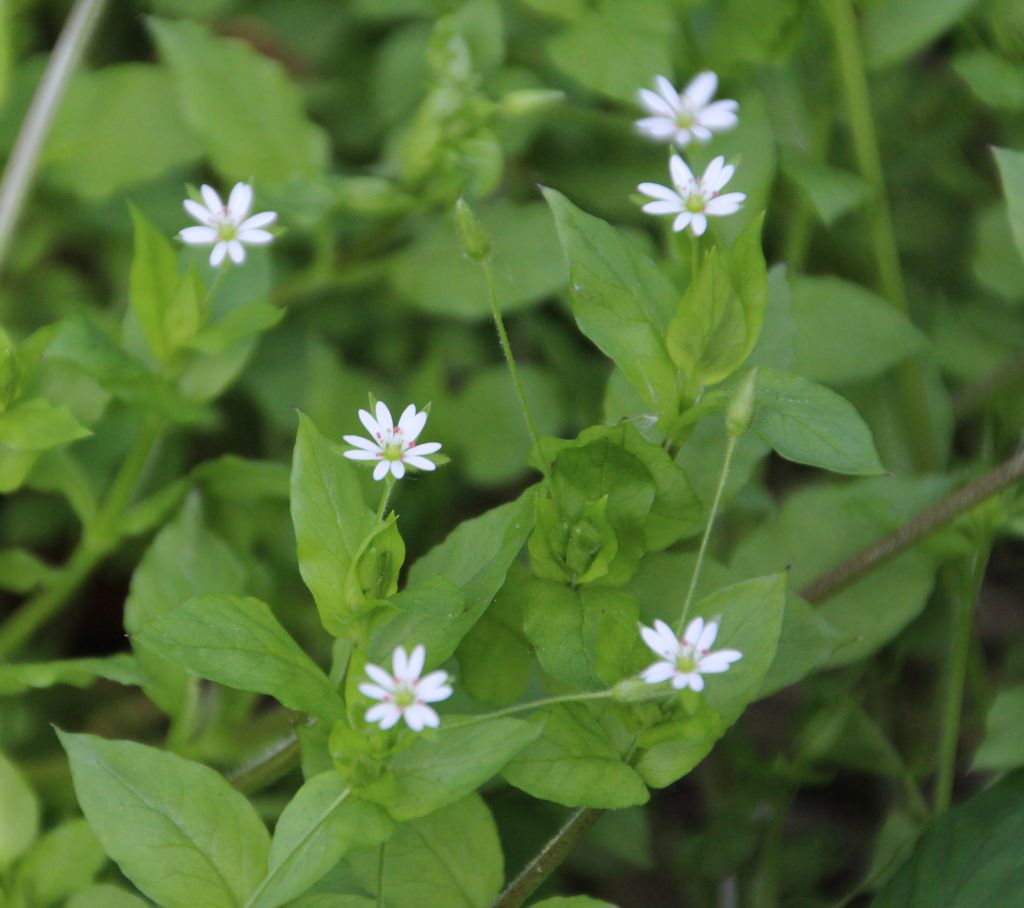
x: 475, y: 240
x: 741, y: 408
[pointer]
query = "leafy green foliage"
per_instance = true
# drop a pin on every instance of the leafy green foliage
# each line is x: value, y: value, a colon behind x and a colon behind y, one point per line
x: 21, y: 813
x: 176, y: 829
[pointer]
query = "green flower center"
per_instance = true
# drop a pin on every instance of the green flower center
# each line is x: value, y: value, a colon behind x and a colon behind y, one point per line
x: 393, y: 451
x: 695, y: 203
x: 404, y: 697
x: 685, y: 119
x: 686, y: 663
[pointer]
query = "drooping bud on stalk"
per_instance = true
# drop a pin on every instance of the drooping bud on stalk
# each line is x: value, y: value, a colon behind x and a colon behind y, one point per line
x: 741, y: 408
x: 475, y: 240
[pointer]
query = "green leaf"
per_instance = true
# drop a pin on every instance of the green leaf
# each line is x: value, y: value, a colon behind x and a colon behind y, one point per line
x: 434, y: 273
x: 615, y: 46
x: 61, y: 863
x: 21, y: 571
x: 896, y: 29
x: 575, y: 763
x: 16, y: 677
x: 19, y: 822
x: 443, y: 768
x: 807, y: 423
x: 845, y: 333
x: 830, y: 191
x: 320, y: 825
x: 184, y: 560
x: 105, y: 896
x: 450, y: 587
x: 997, y: 264
x: 994, y: 80
x: 333, y: 527
x: 242, y: 104
x: 237, y: 326
x: 153, y: 281
x: 36, y: 424
x: 87, y: 152
x: 241, y: 479
x: 84, y: 343
x: 871, y: 611
x: 621, y: 301
x: 238, y: 642
x: 573, y: 901
x: 450, y: 859
x: 177, y: 829
x: 969, y: 858
x: 1001, y: 746
x: 750, y: 615
x: 586, y: 636
x: 1011, y: 170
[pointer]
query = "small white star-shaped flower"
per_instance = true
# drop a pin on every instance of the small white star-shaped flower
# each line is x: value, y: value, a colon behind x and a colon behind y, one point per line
x: 685, y: 661
x: 393, y: 446
x: 228, y: 228
x: 680, y: 118
x: 693, y: 200
x: 403, y: 693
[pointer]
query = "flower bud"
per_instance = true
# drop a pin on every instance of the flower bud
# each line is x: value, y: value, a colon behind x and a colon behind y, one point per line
x: 740, y: 412
x: 475, y: 240
x: 527, y: 102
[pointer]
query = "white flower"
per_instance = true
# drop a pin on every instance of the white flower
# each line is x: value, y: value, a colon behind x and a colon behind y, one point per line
x: 403, y: 693
x: 684, y: 661
x: 680, y: 118
x: 692, y: 200
x: 394, y: 446
x: 228, y: 228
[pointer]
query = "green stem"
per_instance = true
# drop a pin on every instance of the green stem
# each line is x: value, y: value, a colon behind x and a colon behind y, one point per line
x: 730, y: 449
x: 24, y: 159
x: 383, y: 506
x: 506, y: 348
x: 97, y: 540
x: 965, y: 586
x: 560, y: 846
x: 380, y: 875
x: 914, y: 400
x: 524, y: 707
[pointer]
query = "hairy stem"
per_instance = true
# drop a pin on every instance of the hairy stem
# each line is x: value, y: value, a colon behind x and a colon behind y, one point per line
x: 723, y: 477
x: 947, y: 510
x: 965, y: 586
x: 547, y: 860
x: 524, y: 707
x: 21, y: 165
x: 380, y: 874
x: 852, y: 74
x: 383, y: 506
x: 97, y: 540
x: 506, y: 348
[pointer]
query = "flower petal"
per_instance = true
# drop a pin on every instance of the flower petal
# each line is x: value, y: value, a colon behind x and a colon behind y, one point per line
x: 664, y: 645
x: 718, y: 116
x: 397, y: 469
x: 384, y: 419
x: 387, y: 714
x: 359, y: 442
x: 380, y: 675
x: 428, y: 447
x: 370, y: 423
x: 662, y: 206
x: 657, y: 128
x: 725, y: 204
x: 712, y: 174
x: 381, y: 470
x: 411, y: 423
x: 237, y: 252
x: 373, y: 691
x: 658, y: 672
x: 360, y: 454
x: 417, y: 717
x: 699, y: 225
x: 682, y: 222
x: 212, y: 200
x: 701, y: 89
x: 436, y: 694
x: 701, y: 133
x: 416, y: 661
x: 199, y: 212
x: 400, y: 663
x: 256, y: 237
x: 667, y: 90
x: 421, y: 463
x: 263, y: 219
x: 218, y: 254
x: 693, y: 631
x: 707, y: 637
x: 682, y: 176
x: 715, y: 663
x: 656, y: 104
x: 198, y: 236
x: 239, y: 202
x: 659, y: 192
